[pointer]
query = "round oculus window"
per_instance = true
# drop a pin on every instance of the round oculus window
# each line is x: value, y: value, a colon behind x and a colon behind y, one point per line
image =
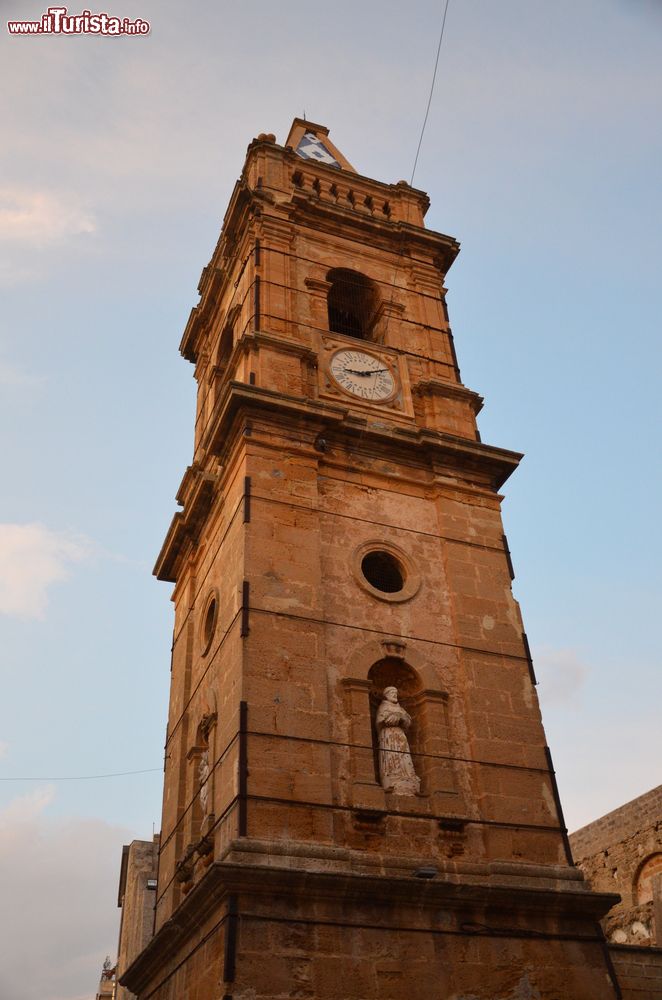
x: 385, y: 571
x: 209, y: 622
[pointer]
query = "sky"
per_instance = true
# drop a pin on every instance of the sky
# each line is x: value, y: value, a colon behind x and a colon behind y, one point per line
x: 541, y: 155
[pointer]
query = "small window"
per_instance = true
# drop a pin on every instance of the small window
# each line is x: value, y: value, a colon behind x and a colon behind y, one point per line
x: 353, y: 301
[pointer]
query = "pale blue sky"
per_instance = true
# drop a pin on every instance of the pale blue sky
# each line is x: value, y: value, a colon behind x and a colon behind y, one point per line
x: 542, y: 156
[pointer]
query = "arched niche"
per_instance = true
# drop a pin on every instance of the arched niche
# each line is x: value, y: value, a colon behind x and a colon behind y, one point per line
x: 380, y: 664
x: 393, y: 671
x: 648, y: 880
x: 201, y: 763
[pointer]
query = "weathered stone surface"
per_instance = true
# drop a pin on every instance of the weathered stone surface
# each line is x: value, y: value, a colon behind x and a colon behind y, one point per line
x: 136, y: 898
x: 639, y: 971
x: 322, y: 881
x: 622, y: 852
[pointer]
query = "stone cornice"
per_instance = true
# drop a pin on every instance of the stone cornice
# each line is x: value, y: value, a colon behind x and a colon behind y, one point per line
x: 305, y: 208
x: 450, y: 390
x: 241, y: 400
x: 284, y: 344
x: 462, y: 453
x: 217, y: 273
x: 564, y: 895
x: 239, y: 395
x: 352, y: 177
x: 196, y: 493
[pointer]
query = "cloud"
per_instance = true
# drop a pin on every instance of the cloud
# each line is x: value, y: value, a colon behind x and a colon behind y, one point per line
x: 40, y: 218
x: 583, y: 707
x: 11, y: 376
x: 13, y: 273
x: 4, y: 749
x: 32, y: 557
x: 561, y: 675
x: 23, y: 810
x: 59, y: 882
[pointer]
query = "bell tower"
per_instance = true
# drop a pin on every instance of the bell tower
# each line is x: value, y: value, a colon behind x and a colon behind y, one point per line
x: 359, y: 801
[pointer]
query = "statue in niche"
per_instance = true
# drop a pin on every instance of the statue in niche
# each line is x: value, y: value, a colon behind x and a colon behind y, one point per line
x: 203, y: 775
x: 396, y: 768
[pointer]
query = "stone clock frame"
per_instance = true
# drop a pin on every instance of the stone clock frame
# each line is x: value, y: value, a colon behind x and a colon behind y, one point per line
x: 378, y: 356
x: 398, y: 403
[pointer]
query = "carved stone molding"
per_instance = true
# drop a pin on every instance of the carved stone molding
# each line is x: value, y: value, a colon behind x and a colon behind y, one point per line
x: 305, y: 888
x: 389, y: 310
x: 430, y: 695
x: 318, y: 285
x: 185, y: 866
x: 369, y: 820
x: 412, y: 578
x: 372, y: 651
x: 207, y: 723
x: 205, y: 846
x: 450, y: 390
x: 356, y: 684
x: 453, y: 835
x: 395, y: 648
x: 455, y: 825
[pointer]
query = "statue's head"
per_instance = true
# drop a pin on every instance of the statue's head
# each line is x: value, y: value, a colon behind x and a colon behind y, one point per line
x: 391, y: 694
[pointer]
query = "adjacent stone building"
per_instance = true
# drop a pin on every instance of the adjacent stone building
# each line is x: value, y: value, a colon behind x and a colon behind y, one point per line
x: 622, y: 852
x: 359, y: 802
x: 136, y: 895
x: 107, y: 983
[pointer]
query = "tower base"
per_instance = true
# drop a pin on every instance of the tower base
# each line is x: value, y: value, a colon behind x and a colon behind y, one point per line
x: 272, y: 921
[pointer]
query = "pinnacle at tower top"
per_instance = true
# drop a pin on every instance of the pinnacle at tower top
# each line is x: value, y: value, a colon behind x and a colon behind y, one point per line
x: 358, y: 796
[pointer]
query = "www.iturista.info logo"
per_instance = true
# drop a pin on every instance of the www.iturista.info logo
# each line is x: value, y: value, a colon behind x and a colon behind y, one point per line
x: 57, y: 21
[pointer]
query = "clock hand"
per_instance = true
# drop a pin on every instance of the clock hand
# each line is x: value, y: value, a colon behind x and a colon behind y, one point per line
x: 373, y: 371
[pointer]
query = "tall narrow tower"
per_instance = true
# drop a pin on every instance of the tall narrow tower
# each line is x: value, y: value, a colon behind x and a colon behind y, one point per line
x: 359, y: 801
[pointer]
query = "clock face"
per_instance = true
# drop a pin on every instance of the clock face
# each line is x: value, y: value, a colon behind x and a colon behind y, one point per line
x: 363, y: 374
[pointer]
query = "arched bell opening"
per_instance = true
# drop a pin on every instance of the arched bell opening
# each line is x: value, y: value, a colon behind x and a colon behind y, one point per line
x: 353, y: 302
x: 224, y: 352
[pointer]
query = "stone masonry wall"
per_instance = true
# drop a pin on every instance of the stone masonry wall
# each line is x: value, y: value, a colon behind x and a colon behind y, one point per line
x: 622, y: 852
x: 639, y: 971
x: 137, y: 906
